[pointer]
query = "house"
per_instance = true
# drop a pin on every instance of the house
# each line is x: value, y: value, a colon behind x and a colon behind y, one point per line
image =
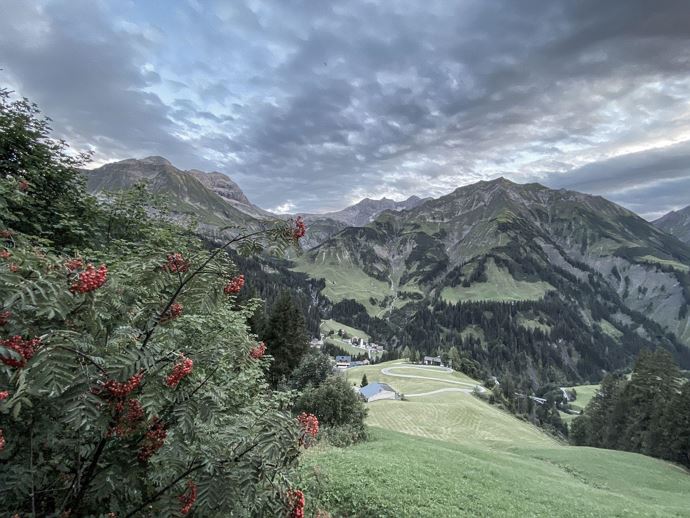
x: 378, y: 391
x: 432, y: 360
x: 343, y: 362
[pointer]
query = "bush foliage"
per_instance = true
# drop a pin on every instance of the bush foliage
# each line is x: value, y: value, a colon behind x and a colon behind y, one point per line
x: 130, y: 382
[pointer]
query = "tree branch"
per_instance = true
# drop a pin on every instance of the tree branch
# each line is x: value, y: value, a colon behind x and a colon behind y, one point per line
x: 160, y: 493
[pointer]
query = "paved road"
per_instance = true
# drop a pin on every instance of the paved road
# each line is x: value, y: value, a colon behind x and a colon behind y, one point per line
x: 471, y: 386
x: 466, y: 391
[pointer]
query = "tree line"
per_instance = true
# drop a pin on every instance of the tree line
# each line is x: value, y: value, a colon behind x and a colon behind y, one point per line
x: 648, y: 412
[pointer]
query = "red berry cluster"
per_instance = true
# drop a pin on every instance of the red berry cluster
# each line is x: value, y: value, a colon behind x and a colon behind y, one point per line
x: 5, y: 254
x: 234, y: 285
x: 188, y: 498
x: 74, y: 264
x: 176, y: 263
x: 90, y: 279
x: 300, y: 228
x: 25, y: 348
x: 309, y: 427
x: 122, y: 390
x: 2, y: 440
x: 180, y: 370
x: 4, y: 317
x: 258, y: 351
x: 14, y: 267
x: 6, y: 233
x: 153, y: 440
x: 4, y: 395
x: 129, y: 415
x: 23, y: 185
x: 296, y: 503
x: 174, y: 311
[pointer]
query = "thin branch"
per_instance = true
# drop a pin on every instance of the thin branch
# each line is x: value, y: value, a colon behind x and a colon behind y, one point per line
x: 160, y: 493
x: 149, y: 332
x: 81, y: 354
x: 89, y: 473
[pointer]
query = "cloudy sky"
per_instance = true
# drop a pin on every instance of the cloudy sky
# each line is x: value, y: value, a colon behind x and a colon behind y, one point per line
x: 311, y: 105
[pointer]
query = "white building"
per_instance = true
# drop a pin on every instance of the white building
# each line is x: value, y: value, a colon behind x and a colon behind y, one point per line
x: 378, y: 391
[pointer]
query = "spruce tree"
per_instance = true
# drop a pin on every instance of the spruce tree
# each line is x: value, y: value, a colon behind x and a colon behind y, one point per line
x: 285, y: 338
x: 365, y: 381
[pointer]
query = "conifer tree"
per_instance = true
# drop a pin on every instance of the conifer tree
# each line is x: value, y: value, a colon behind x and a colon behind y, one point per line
x: 285, y: 338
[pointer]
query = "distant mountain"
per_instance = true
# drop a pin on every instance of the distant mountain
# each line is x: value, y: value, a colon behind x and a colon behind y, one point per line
x: 676, y: 223
x: 561, y: 284
x: 366, y: 210
x: 323, y: 226
x: 212, y: 197
x: 224, y: 187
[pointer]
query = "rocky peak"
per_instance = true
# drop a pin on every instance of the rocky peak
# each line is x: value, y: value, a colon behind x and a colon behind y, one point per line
x: 221, y: 184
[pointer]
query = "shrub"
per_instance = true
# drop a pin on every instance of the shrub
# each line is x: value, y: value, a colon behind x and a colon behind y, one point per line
x: 337, y: 406
x: 129, y: 379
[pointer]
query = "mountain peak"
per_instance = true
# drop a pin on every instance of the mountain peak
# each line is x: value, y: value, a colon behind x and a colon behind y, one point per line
x: 676, y: 223
x: 155, y: 160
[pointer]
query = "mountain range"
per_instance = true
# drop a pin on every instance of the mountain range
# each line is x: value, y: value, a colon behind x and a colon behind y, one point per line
x: 555, y: 284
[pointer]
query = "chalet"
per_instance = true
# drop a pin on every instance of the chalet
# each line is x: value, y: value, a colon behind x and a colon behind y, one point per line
x: 378, y: 391
x: 432, y: 360
x: 343, y: 362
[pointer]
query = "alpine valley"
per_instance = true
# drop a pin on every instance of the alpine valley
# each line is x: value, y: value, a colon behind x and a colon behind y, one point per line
x: 547, y: 286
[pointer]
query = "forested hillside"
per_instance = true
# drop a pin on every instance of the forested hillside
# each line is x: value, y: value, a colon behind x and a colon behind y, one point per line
x: 552, y: 286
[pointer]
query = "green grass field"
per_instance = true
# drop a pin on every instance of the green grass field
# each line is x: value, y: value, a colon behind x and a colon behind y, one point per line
x: 451, y: 454
x: 344, y: 281
x: 400, y: 475
x: 585, y: 393
x: 501, y: 286
x: 332, y: 325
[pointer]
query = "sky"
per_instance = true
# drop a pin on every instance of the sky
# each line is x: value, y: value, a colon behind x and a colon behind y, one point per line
x: 312, y: 105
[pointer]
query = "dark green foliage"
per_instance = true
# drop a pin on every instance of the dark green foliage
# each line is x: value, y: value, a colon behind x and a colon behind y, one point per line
x: 337, y: 406
x: 72, y: 446
x: 649, y: 413
x: 268, y: 277
x: 313, y: 369
x: 52, y: 202
x: 285, y: 337
x: 364, y: 381
x: 332, y: 350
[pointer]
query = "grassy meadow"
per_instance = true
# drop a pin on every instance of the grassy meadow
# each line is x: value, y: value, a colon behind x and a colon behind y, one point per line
x: 500, y: 286
x: 451, y: 454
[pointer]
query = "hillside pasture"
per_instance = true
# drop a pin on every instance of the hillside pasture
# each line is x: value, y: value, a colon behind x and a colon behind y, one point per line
x: 499, y: 287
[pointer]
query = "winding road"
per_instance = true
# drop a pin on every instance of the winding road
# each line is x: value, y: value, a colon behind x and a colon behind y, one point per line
x: 471, y: 386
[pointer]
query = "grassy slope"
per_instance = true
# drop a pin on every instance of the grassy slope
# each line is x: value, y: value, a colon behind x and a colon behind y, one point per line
x: 399, y: 475
x: 344, y: 281
x: 347, y: 347
x: 332, y: 325
x: 501, y: 286
x: 585, y: 393
x: 461, y: 457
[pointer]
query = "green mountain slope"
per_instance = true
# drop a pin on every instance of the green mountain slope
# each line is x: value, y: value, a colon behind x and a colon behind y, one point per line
x: 187, y: 195
x: 523, y: 253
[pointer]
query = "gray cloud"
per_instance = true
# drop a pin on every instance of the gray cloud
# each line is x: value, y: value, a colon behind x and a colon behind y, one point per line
x: 322, y: 103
